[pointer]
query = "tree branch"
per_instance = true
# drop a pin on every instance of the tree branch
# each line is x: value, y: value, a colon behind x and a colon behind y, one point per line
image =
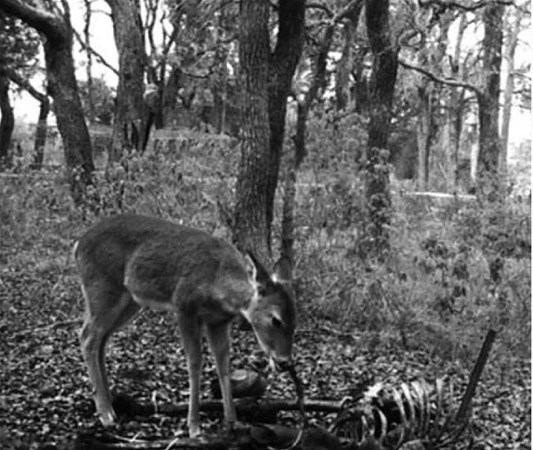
x: 47, y: 23
x: 24, y: 84
x: 97, y: 55
x: 447, y: 81
x: 469, y: 8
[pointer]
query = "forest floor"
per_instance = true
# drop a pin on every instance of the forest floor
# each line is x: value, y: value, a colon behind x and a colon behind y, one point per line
x: 45, y: 400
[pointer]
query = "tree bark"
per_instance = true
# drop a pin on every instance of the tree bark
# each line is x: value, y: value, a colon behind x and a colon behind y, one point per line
x: 63, y: 88
x: 89, y: 56
x: 346, y: 61
x: 424, y: 135
x: 384, y: 71
x: 130, y: 116
x: 251, y: 229
x: 508, y: 55
x: 296, y: 159
x: 488, y: 98
x: 456, y: 105
x: 7, y: 122
x: 283, y: 62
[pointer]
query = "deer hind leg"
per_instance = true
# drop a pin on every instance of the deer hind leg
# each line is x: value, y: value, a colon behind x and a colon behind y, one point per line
x: 191, y: 336
x: 219, y: 341
x: 107, y: 310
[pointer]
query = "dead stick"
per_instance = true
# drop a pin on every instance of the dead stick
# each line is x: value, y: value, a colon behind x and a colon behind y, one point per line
x: 475, y: 375
x: 243, y: 406
x: 52, y: 326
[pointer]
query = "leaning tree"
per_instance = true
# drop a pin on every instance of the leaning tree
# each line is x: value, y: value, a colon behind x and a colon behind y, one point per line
x: 56, y: 32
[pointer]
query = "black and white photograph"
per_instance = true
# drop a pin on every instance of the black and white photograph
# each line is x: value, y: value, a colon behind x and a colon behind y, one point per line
x: 265, y: 224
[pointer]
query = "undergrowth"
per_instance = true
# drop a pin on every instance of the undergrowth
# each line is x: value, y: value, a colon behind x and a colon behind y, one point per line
x: 437, y: 290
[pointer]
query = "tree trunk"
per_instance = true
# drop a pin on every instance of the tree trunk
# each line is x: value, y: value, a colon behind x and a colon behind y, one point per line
x: 457, y: 95
x: 251, y: 229
x: 361, y: 87
x: 7, y: 122
x: 130, y: 117
x: 294, y: 161
x: 281, y: 69
x: 508, y: 54
x: 63, y: 88
x: 423, y: 135
x: 40, y: 134
x: 384, y: 72
x: 488, y: 98
x: 89, y: 66
x: 346, y: 61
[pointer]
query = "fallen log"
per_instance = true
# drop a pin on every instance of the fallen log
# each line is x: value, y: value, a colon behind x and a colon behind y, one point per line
x: 252, y: 409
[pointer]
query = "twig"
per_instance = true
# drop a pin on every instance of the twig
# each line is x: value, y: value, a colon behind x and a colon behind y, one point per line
x: 64, y: 323
x: 434, y: 77
x: 98, y: 56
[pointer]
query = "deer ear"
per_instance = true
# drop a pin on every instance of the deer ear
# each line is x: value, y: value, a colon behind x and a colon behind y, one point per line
x: 282, y: 271
x: 256, y: 270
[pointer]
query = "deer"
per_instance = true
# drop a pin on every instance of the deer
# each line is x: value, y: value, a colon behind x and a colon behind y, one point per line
x: 129, y: 262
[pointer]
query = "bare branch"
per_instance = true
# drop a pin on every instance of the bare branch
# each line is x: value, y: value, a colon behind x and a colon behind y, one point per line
x: 97, y: 55
x: 447, y: 81
x: 465, y: 7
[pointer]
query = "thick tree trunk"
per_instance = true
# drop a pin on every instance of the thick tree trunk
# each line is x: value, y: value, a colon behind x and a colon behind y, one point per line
x: 7, y: 122
x: 40, y: 134
x: 251, y: 229
x: 282, y: 65
x: 488, y: 98
x: 63, y: 88
x: 384, y: 72
x: 130, y: 116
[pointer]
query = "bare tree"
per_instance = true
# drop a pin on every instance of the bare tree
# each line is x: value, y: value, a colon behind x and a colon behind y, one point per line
x: 486, y: 92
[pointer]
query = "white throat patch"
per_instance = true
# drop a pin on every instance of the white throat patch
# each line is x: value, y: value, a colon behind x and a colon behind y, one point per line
x: 252, y: 304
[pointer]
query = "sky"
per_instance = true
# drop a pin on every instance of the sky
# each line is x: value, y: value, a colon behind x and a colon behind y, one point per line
x: 26, y: 108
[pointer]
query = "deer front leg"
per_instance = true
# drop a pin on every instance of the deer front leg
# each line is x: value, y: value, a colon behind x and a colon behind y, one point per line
x: 219, y: 341
x: 191, y: 336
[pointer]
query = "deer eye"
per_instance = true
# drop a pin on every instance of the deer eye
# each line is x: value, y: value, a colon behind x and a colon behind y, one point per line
x: 276, y: 322
x: 261, y: 290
